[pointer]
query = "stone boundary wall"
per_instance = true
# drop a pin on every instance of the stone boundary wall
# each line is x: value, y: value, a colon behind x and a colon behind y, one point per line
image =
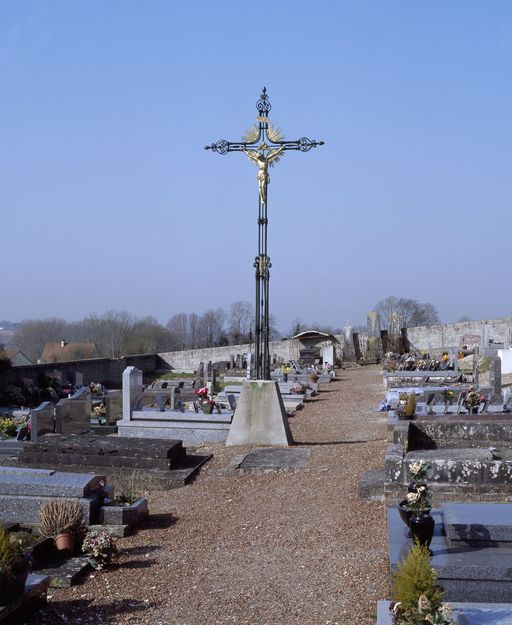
x: 103, y: 370
x: 190, y: 359
x: 449, y: 335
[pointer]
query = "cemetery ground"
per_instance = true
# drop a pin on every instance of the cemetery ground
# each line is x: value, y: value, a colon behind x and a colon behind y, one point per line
x: 287, y: 548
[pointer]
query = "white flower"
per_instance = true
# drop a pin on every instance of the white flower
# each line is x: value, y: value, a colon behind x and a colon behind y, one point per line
x: 424, y: 603
x: 446, y: 610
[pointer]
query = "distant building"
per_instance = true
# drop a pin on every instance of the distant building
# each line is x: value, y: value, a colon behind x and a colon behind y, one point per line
x: 17, y: 358
x: 60, y: 351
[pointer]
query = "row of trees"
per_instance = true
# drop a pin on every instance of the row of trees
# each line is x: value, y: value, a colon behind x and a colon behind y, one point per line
x: 410, y: 312
x: 118, y: 333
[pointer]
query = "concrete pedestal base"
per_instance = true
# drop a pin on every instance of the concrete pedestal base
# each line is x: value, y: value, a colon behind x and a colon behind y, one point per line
x: 260, y: 417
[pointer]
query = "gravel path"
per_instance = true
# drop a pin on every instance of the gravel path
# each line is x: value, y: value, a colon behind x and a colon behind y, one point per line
x: 288, y: 548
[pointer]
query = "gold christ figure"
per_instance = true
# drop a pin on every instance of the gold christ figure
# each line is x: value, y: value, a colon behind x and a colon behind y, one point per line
x: 263, y: 162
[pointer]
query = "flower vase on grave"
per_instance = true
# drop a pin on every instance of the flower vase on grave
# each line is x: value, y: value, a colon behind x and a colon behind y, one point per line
x: 207, y: 408
x: 422, y: 527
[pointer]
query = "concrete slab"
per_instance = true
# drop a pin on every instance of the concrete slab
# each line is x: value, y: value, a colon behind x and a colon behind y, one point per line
x: 275, y: 459
x: 260, y: 416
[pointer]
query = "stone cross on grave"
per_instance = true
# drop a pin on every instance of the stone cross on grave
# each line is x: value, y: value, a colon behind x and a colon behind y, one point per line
x: 263, y: 144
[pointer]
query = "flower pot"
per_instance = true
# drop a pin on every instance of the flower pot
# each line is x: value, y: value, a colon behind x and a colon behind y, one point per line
x: 207, y: 409
x: 474, y: 410
x: 422, y: 528
x: 10, y: 590
x: 64, y: 542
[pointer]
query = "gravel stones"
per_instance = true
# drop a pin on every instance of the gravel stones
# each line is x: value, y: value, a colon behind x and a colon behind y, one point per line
x: 259, y: 548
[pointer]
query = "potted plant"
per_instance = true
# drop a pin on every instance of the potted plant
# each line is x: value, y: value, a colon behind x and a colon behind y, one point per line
x: 14, y: 567
x: 100, y: 548
x: 62, y: 520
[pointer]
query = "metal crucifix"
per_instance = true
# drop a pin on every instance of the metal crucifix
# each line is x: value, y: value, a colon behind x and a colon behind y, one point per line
x: 265, y: 145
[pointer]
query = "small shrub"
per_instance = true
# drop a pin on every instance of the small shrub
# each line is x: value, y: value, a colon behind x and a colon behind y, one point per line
x: 416, y: 577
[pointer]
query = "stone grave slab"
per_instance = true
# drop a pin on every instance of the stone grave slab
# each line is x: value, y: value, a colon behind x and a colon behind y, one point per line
x: 465, y: 613
x: 478, y: 523
x: 20, y: 481
x: 64, y: 573
x: 466, y: 573
x: 275, y: 459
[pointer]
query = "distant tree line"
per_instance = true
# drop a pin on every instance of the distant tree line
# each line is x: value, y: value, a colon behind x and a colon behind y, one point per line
x: 118, y: 333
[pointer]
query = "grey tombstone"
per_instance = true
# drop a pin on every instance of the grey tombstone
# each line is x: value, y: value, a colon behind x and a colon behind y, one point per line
x: 42, y: 420
x: 374, y: 335
x: 57, y: 375
x: 79, y: 379
x: 132, y: 391
x: 373, y: 324
x: 231, y: 361
x: 73, y: 414
x: 239, y: 361
x: 349, y: 350
x: 114, y: 405
x: 495, y: 380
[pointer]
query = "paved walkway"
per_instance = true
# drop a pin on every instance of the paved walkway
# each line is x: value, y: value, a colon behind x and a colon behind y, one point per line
x: 288, y: 548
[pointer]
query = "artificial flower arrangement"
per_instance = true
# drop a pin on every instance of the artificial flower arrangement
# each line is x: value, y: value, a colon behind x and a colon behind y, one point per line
x: 474, y: 399
x: 205, y: 400
x: 286, y: 369
x: 419, y: 497
x: 100, y: 548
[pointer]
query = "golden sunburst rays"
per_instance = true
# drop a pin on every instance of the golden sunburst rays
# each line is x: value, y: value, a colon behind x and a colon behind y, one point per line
x: 251, y: 135
x: 274, y: 134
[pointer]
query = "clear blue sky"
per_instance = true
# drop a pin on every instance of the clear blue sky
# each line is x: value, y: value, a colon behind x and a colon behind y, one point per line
x: 107, y: 199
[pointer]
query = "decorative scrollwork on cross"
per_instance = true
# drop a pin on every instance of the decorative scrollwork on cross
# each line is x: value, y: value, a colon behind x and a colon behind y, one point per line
x: 263, y: 104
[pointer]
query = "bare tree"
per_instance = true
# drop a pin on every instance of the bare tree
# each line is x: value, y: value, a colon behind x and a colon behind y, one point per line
x: 241, y: 314
x: 412, y: 312
x: 33, y: 334
x: 178, y: 326
x: 211, y: 327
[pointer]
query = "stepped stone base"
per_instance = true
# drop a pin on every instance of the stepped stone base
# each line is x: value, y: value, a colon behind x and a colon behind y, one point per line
x: 159, y: 464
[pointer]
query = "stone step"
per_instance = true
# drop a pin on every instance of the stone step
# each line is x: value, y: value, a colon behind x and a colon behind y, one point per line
x: 478, y: 524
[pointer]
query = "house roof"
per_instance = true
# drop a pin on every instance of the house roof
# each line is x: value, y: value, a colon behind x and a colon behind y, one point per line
x: 56, y: 352
x: 311, y: 334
